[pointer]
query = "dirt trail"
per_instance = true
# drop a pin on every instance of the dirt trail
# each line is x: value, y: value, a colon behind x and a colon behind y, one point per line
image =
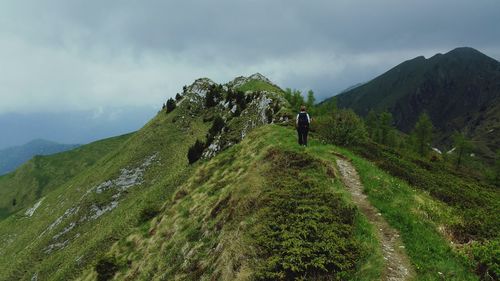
x: 397, y: 265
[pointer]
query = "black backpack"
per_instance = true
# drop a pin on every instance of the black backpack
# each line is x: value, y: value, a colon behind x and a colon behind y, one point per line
x: 303, y: 121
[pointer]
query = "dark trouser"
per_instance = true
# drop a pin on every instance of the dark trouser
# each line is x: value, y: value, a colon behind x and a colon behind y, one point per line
x: 302, y: 132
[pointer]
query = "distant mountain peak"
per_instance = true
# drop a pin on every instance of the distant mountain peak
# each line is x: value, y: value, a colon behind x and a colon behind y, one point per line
x: 258, y: 76
x: 464, y: 50
x: 200, y: 86
x: 12, y: 157
x: 468, y: 53
x: 459, y: 90
x: 242, y: 80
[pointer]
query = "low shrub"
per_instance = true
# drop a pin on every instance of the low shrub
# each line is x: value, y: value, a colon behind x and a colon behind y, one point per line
x: 170, y: 105
x: 343, y: 127
x: 195, y: 151
x: 217, y: 126
x: 106, y: 268
x: 307, y: 230
x: 148, y: 213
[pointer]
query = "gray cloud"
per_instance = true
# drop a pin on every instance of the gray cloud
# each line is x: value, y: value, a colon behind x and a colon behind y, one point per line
x: 60, y: 55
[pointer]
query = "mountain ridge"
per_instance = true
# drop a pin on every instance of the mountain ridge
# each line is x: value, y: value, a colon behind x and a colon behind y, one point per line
x: 13, y: 157
x: 253, y: 205
x: 460, y: 90
x: 140, y: 172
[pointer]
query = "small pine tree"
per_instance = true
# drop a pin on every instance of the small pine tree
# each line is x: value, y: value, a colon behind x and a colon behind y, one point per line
x: 241, y: 101
x: 297, y: 99
x: 178, y: 97
x: 213, y: 95
x: 170, y: 105
x: 217, y: 126
x: 497, y: 167
x: 311, y: 100
x: 423, y: 134
x: 462, y: 147
x: 288, y: 95
x: 334, y: 104
x: 230, y: 95
x: 195, y: 151
x: 386, y: 128
x: 372, y: 124
x: 14, y: 202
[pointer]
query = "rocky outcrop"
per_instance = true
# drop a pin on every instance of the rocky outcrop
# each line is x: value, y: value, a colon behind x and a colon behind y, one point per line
x: 240, y: 111
x: 242, y: 80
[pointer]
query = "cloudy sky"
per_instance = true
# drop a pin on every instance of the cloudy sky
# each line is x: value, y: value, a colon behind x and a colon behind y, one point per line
x: 88, y: 55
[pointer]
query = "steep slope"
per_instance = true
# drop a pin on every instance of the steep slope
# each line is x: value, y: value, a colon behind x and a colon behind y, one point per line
x: 64, y: 231
x: 42, y: 174
x: 222, y: 223
x: 13, y: 157
x: 254, y: 206
x: 267, y: 209
x: 460, y: 91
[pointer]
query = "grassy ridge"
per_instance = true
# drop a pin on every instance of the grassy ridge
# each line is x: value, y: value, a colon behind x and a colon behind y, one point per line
x: 218, y: 225
x: 25, y: 240
x: 43, y: 174
x: 216, y: 222
x: 76, y: 222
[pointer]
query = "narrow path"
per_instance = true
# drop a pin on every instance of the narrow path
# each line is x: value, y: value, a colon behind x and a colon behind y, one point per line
x: 397, y: 265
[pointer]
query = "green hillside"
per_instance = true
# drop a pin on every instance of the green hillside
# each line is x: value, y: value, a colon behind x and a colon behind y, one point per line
x: 13, y: 157
x: 75, y: 219
x: 42, y: 174
x: 214, y: 225
x: 460, y: 91
x: 252, y: 205
x: 267, y: 209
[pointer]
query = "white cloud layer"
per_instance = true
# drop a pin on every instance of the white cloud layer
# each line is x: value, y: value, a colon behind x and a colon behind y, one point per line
x: 81, y: 55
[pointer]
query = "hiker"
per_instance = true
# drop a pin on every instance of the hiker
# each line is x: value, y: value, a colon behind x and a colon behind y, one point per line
x: 302, y: 124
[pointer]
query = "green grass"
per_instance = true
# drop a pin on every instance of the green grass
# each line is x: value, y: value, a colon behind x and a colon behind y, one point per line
x: 24, y: 254
x: 418, y: 217
x: 43, y: 174
x: 370, y: 262
x: 4, y: 213
x: 208, y: 228
x: 370, y: 267
x: 25, y: 241
x: 478, y: 201
x: 423, y: 221
x: 470, y: 197
x: 234, y: 217
x: 305, y: 229
x: 210, y: 212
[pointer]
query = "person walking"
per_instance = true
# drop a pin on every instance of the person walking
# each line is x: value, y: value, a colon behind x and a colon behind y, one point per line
x: 302, y: 123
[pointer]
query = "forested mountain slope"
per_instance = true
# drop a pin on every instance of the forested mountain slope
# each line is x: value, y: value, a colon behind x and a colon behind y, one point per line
x: 459, y: 90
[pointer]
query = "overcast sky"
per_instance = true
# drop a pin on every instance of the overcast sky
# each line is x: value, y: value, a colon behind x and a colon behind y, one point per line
x: 86, y: 55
